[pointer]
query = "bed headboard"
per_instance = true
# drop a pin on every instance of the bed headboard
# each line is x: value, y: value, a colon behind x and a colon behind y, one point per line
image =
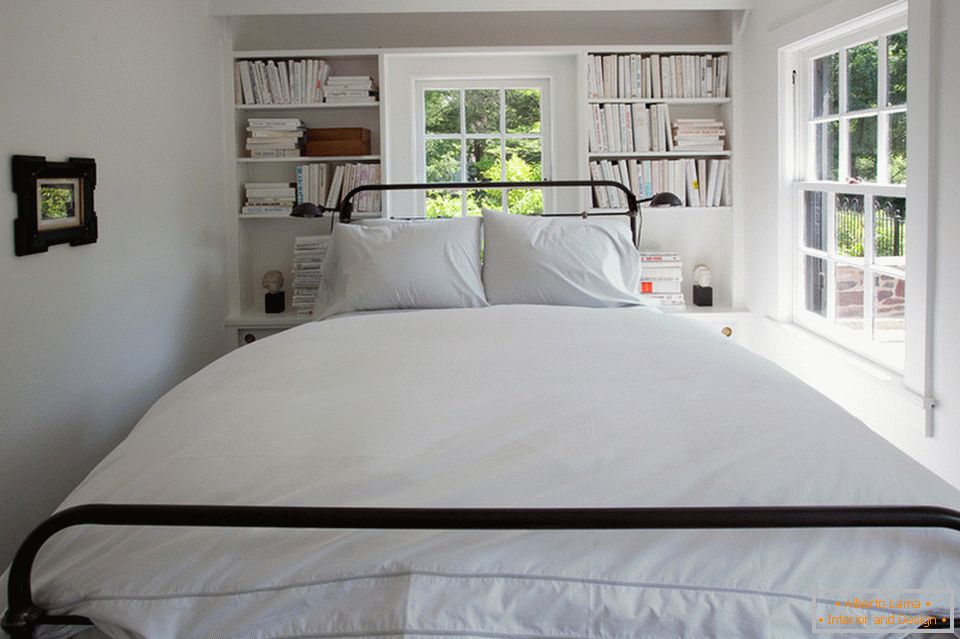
x: 632, y: 211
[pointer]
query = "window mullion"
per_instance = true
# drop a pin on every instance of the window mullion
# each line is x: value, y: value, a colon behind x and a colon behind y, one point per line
x: 883, y: 131
x: 843, y: 162
x: 463, y: 151
x: 503, y: 148
x: 829, y: 289
x: 869, y: 258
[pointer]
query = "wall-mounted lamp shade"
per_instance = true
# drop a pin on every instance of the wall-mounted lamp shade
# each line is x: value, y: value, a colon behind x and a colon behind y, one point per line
x: 307, y: 209
x: 663, y: 199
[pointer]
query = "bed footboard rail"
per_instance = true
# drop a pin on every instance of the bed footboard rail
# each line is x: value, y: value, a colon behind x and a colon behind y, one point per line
x: 23, y: 615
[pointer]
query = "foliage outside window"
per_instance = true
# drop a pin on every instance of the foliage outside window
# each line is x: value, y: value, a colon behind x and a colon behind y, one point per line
x: 852, y: 203
x: 482, y: 135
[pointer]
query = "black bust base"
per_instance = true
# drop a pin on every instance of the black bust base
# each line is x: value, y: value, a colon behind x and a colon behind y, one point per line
x: 702, y: 295
x: 274, y: 302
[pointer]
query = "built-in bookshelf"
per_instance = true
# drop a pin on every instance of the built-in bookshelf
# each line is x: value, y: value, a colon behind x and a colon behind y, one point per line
x: 636, y: 101
x: 264, y: 241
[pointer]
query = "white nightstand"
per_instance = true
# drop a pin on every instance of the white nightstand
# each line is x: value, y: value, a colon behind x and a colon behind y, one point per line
x: 249, y: 327
x: 732, y: 323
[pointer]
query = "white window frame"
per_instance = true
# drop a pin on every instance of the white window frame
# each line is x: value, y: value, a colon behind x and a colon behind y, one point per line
x: 420, y: 136
x: 891, y: 355
x: 914, y: 370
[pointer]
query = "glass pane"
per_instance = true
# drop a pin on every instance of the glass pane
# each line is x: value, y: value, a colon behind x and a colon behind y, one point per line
x: 441, y: 111
x: 523, y: 110
x: 849, y: 225
x: 482, y: 110
x: 898, y: 148
x: 897, y: 68
x: 443, y: 203
x: 862, y: 77
x: 814, y: 222
x: 826, y: 73
x: 477, y: 200
x: 524, y: 160
x: 483, y: 160
x: 443, y: 160
x: 815, y: 279
x: 828, y: 150
x: 849, y: 296
x: 863, y: 149
x: 888, y: 319
x: 890, y: 230
x: 525, y: 201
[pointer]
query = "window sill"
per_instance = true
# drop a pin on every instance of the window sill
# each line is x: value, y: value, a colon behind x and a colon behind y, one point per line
x: 873, y: 380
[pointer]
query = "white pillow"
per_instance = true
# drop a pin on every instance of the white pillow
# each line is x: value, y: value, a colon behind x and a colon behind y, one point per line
x: 564, y: 262
x: 434, y: 264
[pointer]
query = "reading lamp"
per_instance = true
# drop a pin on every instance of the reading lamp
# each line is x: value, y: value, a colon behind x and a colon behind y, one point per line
x: 659, y: 200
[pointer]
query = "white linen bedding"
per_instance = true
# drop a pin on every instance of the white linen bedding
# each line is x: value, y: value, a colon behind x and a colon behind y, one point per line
x: 507, y: 406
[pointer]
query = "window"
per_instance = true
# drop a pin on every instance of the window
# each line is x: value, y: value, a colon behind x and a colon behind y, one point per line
x: 850, y: 189
x: 489, y: 131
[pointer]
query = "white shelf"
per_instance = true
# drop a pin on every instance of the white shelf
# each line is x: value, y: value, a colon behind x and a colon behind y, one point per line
x: 304, y: 107
x: 668, y: 210
x: 313, y: 158
x: 678, y: 101
x: 661, y: 154
x: 254, y: 319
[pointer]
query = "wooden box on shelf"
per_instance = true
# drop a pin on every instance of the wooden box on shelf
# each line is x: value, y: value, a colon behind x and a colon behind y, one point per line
x: 338, y: 141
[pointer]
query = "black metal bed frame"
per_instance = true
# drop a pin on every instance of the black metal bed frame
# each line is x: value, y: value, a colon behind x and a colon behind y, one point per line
x: 23, y: 615
x: 632, y: 211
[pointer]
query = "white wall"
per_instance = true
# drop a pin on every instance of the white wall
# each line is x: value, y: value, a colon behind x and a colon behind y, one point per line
x: 859, y: 389
x: 90, y: 336
x: 480, y: 29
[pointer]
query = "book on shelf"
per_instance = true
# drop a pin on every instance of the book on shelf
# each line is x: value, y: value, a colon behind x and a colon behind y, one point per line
x: 661, y: 280
x: 279, y: 81
x: 349, y: 88
x: 274, y: 137
x: 309, y: 252
x: 629, y: 128
x: 347, y: 177
x: 268, y: 198
x: 698, y: 134
x: 657, y: 76
x: 697, y: 183
x: 311, y: 183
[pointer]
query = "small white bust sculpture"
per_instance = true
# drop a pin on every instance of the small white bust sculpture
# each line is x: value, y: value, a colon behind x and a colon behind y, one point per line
x: 701, y: 275
x: 272, y: 281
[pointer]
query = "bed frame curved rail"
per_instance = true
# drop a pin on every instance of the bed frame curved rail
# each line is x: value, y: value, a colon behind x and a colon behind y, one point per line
x: 632, y: 211
x: 23, y: 615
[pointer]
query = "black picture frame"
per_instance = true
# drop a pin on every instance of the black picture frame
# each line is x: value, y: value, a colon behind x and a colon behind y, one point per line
x: 54, y: 203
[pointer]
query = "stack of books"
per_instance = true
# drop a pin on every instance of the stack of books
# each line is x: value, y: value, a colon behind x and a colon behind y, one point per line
x: 661, y: 279
x: 626, y: 128
x: 274, y: 137
x: 657, y: 76
x: 283, y: 82
x: 347, y: 177
x: 698, y: 134
x: 695, y: 182
x: 311, y: 185
x: 308, y: 254
x: 268, y: 198
x: 349, y: 89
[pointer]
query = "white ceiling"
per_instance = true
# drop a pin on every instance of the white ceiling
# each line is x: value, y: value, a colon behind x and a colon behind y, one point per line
x: 292, y: 7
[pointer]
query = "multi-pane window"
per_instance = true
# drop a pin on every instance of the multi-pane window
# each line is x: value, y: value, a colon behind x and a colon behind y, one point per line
x: 489, y: 133
x: 851, y: 195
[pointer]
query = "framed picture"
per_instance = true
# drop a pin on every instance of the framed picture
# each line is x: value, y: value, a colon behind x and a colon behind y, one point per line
x: 54, y: 203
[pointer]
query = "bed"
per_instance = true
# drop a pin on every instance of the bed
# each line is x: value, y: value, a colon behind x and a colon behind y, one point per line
x: 518, y: 407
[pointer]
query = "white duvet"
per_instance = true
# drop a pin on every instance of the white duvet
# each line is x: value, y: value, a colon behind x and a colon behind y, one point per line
x: 509, y: 406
